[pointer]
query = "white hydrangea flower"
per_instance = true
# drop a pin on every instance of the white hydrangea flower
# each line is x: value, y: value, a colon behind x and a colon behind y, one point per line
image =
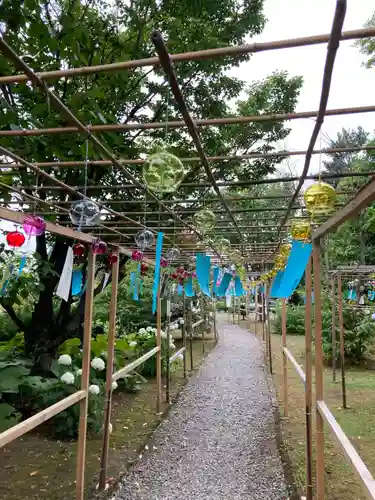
x: 171, y: 345
x: 79, y: 371
x: 142, y: 331
x: 163, y: 334
x: 114, y: 385
x: 133, y: 343
x: 150, y: 329
x: 65, y: 359
x: 98, y: 364
x: 182, y: 321
x: 67, y: 378
x: 94, y: 389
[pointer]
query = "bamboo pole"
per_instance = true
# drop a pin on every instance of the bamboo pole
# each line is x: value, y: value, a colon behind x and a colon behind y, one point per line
x: 233, y: 309
x: 239, y: 310
x: 109, y: 373
x: 158, y: 354
x: 183, y: 332
x: 85, y: 377
x: 263, y: 319
x: 194, y: 159
x: 342, y: 343
x: 203, y: 327
x: 268, y: 328
x: 232, y: 51
x: 319, y: 383
x: 168, y: 367
x: 333, y: 328
x: 190, y: 333
x: 308, y: 385
x: 285, y: 361
x: 175, y: 124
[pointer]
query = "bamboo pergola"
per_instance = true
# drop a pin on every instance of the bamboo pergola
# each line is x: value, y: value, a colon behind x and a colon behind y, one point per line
x: 248, y: 233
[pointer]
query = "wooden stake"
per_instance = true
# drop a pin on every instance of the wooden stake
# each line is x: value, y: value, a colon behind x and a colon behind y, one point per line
x: 183, y: 331
x: 342, y: 344
x: 334, y: 329
x: 318, y: 374
x: 109, y: 373
x: 285, y: 361
x: 168, y: 367
x: 268, y: 329
x: 190, y: 333
x: 85, y: 381
x: 158, y: 354
x: 308, y: 385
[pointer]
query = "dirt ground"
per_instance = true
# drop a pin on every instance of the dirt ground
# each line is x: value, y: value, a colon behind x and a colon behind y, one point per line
x: 35, y: 467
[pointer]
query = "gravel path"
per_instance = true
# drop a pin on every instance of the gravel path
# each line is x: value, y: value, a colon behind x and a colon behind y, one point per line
x: 218, y: 442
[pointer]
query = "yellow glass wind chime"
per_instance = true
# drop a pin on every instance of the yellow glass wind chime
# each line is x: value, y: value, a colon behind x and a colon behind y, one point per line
x: 319, y: 200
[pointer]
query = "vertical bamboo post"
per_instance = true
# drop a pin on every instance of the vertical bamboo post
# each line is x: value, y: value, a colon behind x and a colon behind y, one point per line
x: 333, y: 328
x: 239, y: 311
x: 190, y: 333
x: 318, y: 374
x: 285, y: 361
x: 203, y: 328
x: 158, y: 354
x: 168, y: 366
x: 85, y: 377
x: 233, y: 309
x: 342, y: 345
x: 308, y: 387
x: 183, y: 332
x: 214, y: 316
x: 268, y: 329
x: 108, y: 383
x: 263, y: 318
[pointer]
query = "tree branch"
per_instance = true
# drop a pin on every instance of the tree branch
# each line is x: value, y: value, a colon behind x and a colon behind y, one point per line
x: 12, y: 314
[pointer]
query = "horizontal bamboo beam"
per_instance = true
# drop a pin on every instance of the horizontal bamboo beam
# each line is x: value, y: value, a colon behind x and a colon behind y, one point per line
x: 194, y: 325
x: 250, y: 156
x: 206, y: 201
x: 233, y: 51
x: 29, y: 424
x: 132, y: 366
x: 216, y: 122
x: 350, y: 453
x: 203, y: 184
x: 296, y: 366
x: 364, y: 197
x: 19, y: 217
x: 177, y: 354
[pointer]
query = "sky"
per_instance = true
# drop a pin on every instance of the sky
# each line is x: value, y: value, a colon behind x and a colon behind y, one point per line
x: 352, y: 84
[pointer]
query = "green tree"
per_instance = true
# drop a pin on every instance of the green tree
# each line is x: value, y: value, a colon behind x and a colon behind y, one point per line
x: 367, y: 45
x: 55, y: 34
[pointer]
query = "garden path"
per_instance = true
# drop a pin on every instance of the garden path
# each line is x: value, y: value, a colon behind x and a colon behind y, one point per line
x: 218, y: 441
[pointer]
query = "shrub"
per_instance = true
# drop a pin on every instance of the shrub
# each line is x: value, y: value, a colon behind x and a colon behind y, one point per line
x: 359, y: 329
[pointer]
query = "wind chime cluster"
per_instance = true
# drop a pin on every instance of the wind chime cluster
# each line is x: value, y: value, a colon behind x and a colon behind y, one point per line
x: 319, y: 200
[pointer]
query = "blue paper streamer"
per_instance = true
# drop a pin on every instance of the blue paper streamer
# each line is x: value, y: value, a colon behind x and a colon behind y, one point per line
x: 215, y: 278
x: 22, y: 264
x: 276, y: 283
x: 180, y: 289
x: 159, y: 247
x: 238, y: 288
x: 77, y: 278
x: 6, y: 281
x: 295, y: 267
x: 189, y: 292
x: 224, y: 284
x: 203, y: 272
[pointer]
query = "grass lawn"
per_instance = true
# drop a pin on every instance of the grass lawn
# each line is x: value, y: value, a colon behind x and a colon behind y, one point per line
x: 358, y: 422
x: 36, y: 467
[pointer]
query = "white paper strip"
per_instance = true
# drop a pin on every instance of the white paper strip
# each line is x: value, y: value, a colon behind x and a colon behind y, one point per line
x: 168, y: 308
x: 65, y: 282
x: 106, y: 278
